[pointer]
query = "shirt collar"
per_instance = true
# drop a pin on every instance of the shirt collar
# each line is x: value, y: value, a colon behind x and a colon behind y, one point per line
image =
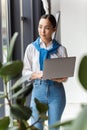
x: 42, y: 45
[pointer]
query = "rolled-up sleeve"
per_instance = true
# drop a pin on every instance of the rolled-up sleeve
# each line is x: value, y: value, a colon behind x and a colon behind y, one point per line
x: 62, y: 52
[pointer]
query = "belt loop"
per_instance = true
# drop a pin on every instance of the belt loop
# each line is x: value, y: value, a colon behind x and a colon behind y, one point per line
x: 40, y: 81
x: 47, y: 89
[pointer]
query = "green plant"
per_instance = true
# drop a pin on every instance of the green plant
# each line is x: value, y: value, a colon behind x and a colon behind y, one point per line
x: 20, y: 113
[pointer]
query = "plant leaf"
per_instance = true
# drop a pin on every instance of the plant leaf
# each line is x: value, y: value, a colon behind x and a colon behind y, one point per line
x: 41, y: 107
x: 0, y: 64
x: 22, y: 125
x: 12, y: 42
x: 82, y: 73
x: 23, y: 92
x: 11, y: 68
x: 58, y: 124
x: 21, y: 112
x: 20, y: 101
x: 20, y: 81
x: 33, y: 128
x: 80, y: 123
x: 43, y: 117
x: 4, y: 123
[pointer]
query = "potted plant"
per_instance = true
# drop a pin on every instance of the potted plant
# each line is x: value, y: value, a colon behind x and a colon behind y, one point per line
x: 20, y: 113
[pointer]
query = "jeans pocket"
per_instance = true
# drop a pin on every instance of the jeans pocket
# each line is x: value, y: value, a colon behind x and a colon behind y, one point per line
x: 36, y: 84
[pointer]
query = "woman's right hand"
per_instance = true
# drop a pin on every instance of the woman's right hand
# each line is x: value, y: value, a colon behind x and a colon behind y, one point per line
x: 59, y: 80
x: 37, y: 75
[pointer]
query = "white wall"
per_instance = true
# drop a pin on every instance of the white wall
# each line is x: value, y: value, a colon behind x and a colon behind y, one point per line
x: 73, y: 31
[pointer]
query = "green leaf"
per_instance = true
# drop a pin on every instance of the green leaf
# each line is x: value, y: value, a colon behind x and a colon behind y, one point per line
x: 33, y: 128
x: 4, y: 123
x: 22, y: 125
x: 20, y: 101
x: 21, y: 112
x: 20, y: 81
x: 82, y: 73
x: 23, y: 92
x: 80, y: 123
x: 58, y: 124
x: 43, y: 117
x: 19, y: 125
x: 41, y: 107
x: 0, y: 64
x: 11, y: 68
x: 12, y: 42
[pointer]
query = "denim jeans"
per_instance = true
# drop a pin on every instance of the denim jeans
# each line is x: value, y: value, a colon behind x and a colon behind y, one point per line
x: 51, y: 93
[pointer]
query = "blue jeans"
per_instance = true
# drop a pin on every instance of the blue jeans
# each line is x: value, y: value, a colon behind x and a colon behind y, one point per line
x: 51, y: 93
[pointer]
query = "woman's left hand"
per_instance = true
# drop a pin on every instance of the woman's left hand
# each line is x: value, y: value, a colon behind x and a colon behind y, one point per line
x: 59, y: 80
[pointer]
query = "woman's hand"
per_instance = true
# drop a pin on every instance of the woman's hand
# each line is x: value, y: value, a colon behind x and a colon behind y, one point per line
x: 59, y: 80
x: 37, y: 75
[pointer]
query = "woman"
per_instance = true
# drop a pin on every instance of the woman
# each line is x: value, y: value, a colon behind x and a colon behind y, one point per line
x: 49, y: 91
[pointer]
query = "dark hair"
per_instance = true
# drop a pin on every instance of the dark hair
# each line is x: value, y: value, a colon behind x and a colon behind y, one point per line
x: 51, y: 18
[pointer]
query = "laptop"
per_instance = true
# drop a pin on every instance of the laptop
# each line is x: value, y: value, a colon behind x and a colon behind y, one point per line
x: 59, y: 67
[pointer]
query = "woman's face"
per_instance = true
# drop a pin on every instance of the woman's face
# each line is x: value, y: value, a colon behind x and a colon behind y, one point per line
x: 45, y: 29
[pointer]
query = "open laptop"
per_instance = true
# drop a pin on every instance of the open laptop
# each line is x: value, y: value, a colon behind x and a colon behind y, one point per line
x: 59, y: 67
